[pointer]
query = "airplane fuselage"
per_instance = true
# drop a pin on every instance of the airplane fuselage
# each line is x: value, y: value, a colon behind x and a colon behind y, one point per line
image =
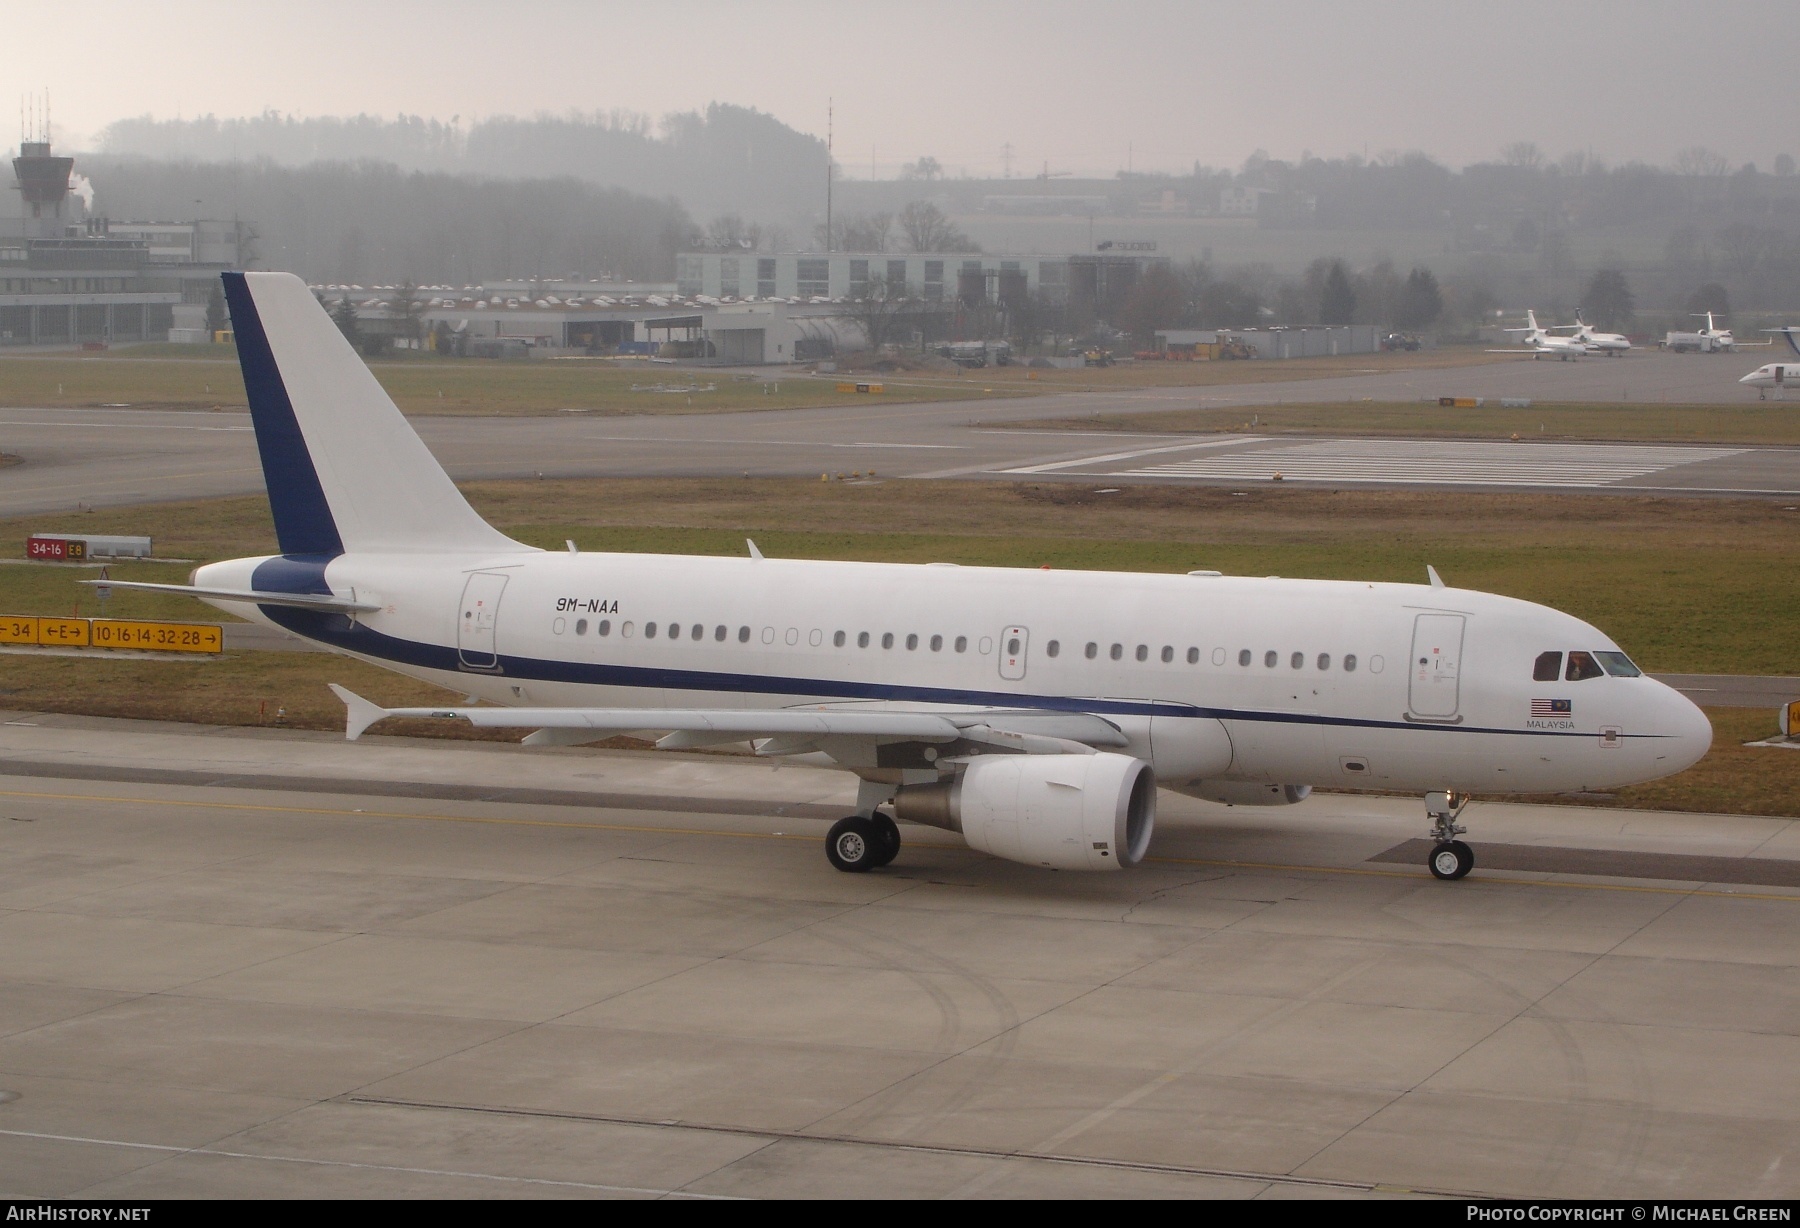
x: 1314, y: 682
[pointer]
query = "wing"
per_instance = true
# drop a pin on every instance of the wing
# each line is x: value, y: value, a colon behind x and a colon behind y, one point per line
x: 781, y: 731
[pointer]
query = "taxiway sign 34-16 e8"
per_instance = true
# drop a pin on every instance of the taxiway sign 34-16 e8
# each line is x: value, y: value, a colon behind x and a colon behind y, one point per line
x: 1037, y: 712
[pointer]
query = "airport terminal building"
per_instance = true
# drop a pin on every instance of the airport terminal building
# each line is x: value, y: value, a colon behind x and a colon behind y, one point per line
x: 70, y: 277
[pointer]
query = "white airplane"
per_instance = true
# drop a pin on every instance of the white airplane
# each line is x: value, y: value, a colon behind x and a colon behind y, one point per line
x: 1708, y: 340
x: 1609, y: 344
x: 1777, y: 375
x: 1037, y: 712
x: 1541, y: 342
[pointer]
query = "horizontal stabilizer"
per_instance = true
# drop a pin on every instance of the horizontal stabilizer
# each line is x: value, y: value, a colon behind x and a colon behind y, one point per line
x: 299, y: 601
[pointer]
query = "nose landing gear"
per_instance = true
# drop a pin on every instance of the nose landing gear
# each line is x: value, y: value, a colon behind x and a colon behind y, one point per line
x: 1450, y: 858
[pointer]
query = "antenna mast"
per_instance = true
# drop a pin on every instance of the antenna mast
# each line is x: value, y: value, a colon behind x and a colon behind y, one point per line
x: 828, y: 175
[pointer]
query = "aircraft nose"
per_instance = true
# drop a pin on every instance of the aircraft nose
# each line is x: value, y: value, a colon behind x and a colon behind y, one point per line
x: 1687, y: 734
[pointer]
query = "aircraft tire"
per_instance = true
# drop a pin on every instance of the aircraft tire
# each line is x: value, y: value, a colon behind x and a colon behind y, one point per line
x: 853, y: 845
x: 1451, y: 860
x: 887, y: 839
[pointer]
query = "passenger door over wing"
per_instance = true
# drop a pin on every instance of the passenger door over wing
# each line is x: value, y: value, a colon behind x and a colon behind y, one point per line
x: 1015, y: 642
x: 1435, y: 666
x: 475, y: 626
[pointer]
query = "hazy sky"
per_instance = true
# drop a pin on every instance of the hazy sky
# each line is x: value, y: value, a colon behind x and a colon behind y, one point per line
x: 1085, y: 87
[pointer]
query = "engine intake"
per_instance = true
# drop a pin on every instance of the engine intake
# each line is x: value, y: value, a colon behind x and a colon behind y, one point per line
x: 1068, y: 812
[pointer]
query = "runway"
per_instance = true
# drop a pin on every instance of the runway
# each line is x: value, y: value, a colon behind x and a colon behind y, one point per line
x: 121, y: 457
x: 260, y: 962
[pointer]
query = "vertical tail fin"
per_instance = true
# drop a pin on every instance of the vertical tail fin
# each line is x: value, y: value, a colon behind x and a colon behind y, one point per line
x: 1531, y: 319
x: 344, y: 469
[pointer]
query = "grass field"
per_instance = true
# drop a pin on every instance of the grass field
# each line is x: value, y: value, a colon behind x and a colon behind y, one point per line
x: 209, y: 379
x: 1740, y: 423
x: 1703, y: 586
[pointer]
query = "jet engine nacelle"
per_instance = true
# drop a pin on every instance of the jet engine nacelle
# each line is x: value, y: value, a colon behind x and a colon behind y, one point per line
x: 1068, y: 812
x: 1245, y: 792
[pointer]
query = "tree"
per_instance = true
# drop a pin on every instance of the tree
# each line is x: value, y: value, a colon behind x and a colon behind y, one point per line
x: 408, y: 311
x: 1337, y: 303
x: 1523, y: 154
x: 861, y: 232
x: 927, y: 229
x: 883, y: 310
x: 1784, y: 165
x: 1156, y: 301
x: 927, y: 168
x: 1608, y: 299
x: 215, y: 313
x: 1711, y: 297
x: 1700, y: 162
x: 1421, y: 301
x: 344, y: 316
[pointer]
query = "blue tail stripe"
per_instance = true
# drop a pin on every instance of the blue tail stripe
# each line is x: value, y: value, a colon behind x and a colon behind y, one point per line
x: 303, y: 521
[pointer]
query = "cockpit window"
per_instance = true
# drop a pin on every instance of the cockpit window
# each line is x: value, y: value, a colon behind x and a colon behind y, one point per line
x: 1548, y: 667
x: 1618, y: 665
x: 1582, y: 666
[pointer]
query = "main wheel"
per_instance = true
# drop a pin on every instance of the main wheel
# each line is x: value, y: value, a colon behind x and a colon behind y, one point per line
x: 854, y: 845
x: 887, y: 838
x: 1452, y: 860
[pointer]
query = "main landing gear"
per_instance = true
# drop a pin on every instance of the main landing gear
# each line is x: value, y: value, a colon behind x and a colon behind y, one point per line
x: 858, y: 844
x: 868, y: 839
x: 1450, y: 858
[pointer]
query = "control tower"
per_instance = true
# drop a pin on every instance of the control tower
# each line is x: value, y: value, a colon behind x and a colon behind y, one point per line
x: 43, y: 180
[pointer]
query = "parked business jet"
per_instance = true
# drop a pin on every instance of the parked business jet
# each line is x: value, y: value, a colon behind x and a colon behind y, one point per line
x: 1037, y: 712
x: 1779, y: 376
x: 1610, y: 344
x: 1541, y: 341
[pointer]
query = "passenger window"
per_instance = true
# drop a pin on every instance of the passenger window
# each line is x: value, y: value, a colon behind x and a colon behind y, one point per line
x: 1052, y: 648
x: 649, y: 631
x: 1548, y: 666
x: 1270, y: 658
x: 1193, y: 656
x: 581, y: 626
x: 1117, y: 651
x: 768, y: 635
x: 862, y: 639
x: 719, y: 633
x: 962, y: 643
x: 603, y: 627
x: 698, y: 632
x: 1143, y: 652
x: 625, y: 628
x: 1349, y: 663
x: 743, y: 635
x: 937, y: 643
x: 1012, y: 646
x: 1618, y: 665
x: 912, y: 642
x: 1093, y: 650
x: 1297, y: 661
x: 1244, y: 656
x: 1324, y: 660
x: 887, y: 639
x: 1168, y: 654
x: 837, y: 639
x: 1582, y: 666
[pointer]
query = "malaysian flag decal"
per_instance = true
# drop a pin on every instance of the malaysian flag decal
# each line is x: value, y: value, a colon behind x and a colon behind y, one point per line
x: 1552, y: 707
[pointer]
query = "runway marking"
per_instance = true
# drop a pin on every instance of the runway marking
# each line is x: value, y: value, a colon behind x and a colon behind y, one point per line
x: 640, y: 828
x: 366, y: 1167
x: 1472, y: 463
x: 1108, y: 457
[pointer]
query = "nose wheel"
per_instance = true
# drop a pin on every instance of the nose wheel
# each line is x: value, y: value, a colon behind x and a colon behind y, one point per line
x: 1450, y: 858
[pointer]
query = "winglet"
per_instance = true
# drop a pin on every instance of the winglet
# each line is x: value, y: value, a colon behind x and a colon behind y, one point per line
x: 359, y: 713
x: 1437, y: 581
x: 754, y: 552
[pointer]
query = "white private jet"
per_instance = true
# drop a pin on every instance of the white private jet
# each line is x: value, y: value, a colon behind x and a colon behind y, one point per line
x: 1037, y: 712
x: 1777, y: 375
x: 1539, y: 341
x: 1709, y: 340
x: 1610, y: 344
